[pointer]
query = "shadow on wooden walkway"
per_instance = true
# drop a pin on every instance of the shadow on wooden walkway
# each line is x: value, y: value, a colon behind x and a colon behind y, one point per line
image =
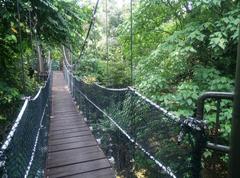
x: 72, y: 149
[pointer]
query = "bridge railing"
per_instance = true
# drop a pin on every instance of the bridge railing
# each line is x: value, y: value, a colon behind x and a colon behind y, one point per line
x: 222, y: 102
x: 215, y: 108
x: 137, y: 135
x: 23, y: 152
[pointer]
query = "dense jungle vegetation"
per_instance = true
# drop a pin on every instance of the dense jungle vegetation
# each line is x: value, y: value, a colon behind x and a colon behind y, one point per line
x: 181, y: 48
x: 38, y: 27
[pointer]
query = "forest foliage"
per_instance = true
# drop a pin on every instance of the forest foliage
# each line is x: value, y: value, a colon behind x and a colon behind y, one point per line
x: 44, y: 23
x: 181, y: 49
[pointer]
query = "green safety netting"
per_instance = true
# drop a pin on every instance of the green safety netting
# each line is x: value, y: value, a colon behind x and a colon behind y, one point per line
x: 137, y: 135
x: 23, y: 153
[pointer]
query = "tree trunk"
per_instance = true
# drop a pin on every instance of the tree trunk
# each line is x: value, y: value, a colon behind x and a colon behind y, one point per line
x: 40, y: 59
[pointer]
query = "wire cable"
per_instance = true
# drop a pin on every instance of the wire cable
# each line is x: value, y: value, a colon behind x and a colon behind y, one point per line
x: 107, y: 48
x: 131, y: 39
x: 89, y: 29
x: 20, y: 46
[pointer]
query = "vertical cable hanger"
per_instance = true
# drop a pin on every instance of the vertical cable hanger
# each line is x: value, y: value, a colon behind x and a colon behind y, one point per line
x: 34, y: 21
x: 31, y: 27
x: 94, y: 40
x: 31, y: 35
x: 107, y: 47
x: 131, y: 40
x: 133, y: 122
x: 89, y: 29
x: 20, y: 45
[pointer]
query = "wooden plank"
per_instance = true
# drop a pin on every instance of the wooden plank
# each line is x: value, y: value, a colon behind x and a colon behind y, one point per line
x: 72, y: 149
x: 67, y: 119
x: 79, y: 168
x: 66, y: 124
x: 71, y: 140
x: 73, y: 116
x: 64, y: 128
x: 70, y: 135
x: 56, y: 132
x: 102, y: 173
x: 78, y: 129
x: 63, y: 115
x: 69, y: 146
x: 63, y: 109
x: 69, y: 157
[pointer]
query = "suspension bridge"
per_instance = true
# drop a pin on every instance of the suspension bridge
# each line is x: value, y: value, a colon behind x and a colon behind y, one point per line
x: 72, y: 128
x: 75, y: 129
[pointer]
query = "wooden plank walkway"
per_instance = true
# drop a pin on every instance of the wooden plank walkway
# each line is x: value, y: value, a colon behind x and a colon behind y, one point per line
x: 72, y: 149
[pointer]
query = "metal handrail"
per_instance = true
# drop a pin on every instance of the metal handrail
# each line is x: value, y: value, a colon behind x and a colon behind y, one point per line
x: 200, y: 114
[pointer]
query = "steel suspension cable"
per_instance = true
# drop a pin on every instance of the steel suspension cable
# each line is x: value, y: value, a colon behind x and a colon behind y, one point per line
x: 29, y: 18
x: 89, y: 29
x: 20, y: 45
x: 133, y: 121
x: 107, y: 48
x: 131, y: 39
x: 31, y: 27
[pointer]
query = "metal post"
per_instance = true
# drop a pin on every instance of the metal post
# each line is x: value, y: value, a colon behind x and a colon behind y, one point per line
x: 234, y: 170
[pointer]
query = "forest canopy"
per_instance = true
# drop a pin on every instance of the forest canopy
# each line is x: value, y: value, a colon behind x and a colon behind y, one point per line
x: 181, y: 49
x: 29, y: 28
